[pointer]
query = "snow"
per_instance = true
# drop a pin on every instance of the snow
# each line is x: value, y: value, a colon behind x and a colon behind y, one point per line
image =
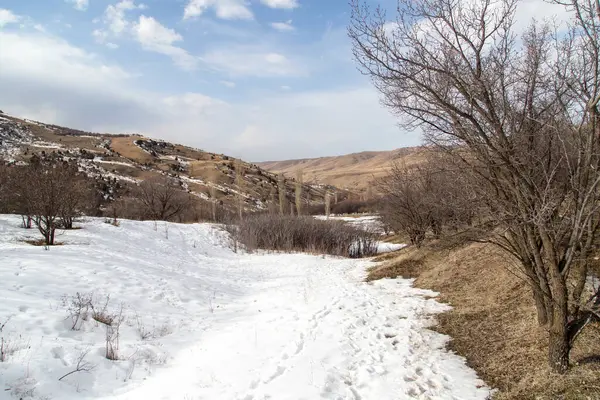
x: 217, y: 324
x: 384, y: 247
x: 101, y: 161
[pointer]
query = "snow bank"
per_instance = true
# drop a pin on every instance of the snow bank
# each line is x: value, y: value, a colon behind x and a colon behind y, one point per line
x: 202, y: 322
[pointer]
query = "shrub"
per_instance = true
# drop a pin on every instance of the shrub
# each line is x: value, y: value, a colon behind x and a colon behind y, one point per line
x: 354, y: 207
x: 287, y: 233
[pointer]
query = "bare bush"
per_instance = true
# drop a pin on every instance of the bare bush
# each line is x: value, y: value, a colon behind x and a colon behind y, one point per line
x: 113, y: 335
x: 79, y: 308
x: 288, y: 233
x: 349, y: 206
x: 162, y: 198
x: 81, y: 366
x: 5, y: 348
x: 424, y: 198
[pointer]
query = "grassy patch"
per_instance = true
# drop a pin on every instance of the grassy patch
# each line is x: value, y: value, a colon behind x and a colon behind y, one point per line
x: 408, y: 268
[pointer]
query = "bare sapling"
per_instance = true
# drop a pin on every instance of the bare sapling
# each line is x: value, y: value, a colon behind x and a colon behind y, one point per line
x: 112, y: 336
x: 299, y: 192
x: 81, y: 366
x: 239, y: 181
x: 213, y: 202
x: 281, y: 190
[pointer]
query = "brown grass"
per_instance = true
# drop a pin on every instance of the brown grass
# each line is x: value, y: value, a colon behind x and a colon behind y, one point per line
x: 492, y: 322
x: 407, y: 268
x: 41, y: 242
x: 126, y: 147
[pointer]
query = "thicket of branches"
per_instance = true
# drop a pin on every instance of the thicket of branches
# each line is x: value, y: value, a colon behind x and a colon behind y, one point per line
x: 519, y: 111
x: 429, y: 197
x: 48, y: 194
x: 304, y: 234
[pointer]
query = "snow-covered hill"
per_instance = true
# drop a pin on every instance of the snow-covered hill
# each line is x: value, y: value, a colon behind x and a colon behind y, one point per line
x: 202, y: 322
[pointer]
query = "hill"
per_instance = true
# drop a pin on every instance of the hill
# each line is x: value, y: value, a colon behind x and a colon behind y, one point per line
x: 352, y: 171
x: 131, y: 159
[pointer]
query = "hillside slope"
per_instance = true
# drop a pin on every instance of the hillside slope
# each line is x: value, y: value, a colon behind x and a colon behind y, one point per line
x: 133, y: 158
x: 351, y: 171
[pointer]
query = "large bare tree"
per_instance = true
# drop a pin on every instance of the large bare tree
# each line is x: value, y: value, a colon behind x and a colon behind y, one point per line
x: 518, y: 110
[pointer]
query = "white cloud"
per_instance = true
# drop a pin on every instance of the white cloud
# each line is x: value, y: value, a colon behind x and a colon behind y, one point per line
x: 48, y: 79
x: 280, y: 3
x: 115, y: 21
x: 153, y: 36
x: 7, y: 17
x: 540, y: 10
x: 80, y: 5
x: 229, y: 84
x: 224, y: 9
x: 253, y: 62
x: 283, y: 26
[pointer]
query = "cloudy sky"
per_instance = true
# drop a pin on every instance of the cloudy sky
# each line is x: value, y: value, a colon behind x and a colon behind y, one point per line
x: 259, y: 79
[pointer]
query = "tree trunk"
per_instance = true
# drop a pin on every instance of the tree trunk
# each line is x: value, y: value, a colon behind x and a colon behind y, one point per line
x: 559, y: 347
x: 540, y: 306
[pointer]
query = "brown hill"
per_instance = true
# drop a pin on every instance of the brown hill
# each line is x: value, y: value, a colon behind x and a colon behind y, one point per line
x: 132, y: 158
x: 352, y: 171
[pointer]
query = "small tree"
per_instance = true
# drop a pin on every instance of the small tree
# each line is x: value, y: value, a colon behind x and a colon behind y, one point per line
x: 213, y: 202
x: 299, y: 192
x: 49, y: 192
x: 239, y: 181
x: 281, y: 190
x: 162, y: 198
x: 327, y: 204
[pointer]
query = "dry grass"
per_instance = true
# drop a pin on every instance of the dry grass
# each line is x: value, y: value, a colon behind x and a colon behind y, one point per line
x: 407, y: 268
x: 126, y: 147
x: 492, y: 322
x: 41, y: 242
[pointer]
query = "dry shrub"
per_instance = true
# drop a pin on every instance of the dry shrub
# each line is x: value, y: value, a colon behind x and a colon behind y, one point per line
x: 306, y: 234
x: 354, y: 207
x: 409, y: 268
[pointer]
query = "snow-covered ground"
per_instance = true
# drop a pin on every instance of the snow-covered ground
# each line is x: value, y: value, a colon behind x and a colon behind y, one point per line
x: 202, y: 322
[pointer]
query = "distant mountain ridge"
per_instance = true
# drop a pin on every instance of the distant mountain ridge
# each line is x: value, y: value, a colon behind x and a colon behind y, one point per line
x: 355, y: 171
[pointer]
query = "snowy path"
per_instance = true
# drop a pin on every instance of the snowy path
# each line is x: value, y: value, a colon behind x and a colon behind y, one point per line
x: 240, y: 327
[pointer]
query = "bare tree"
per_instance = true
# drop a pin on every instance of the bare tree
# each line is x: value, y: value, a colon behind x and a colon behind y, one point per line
x: 281, y: 190
x: 213, y: 202
x: 521, y: 115
x: 48, y: 192
x: 327, y: 204
x: 162, y: 198
x: 299, y: 192
x: 239, y: 181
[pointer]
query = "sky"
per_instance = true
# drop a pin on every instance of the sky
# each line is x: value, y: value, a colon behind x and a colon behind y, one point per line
x: 257, y: 79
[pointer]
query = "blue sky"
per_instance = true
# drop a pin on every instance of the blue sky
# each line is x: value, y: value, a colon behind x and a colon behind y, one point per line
x: 259, y: 79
